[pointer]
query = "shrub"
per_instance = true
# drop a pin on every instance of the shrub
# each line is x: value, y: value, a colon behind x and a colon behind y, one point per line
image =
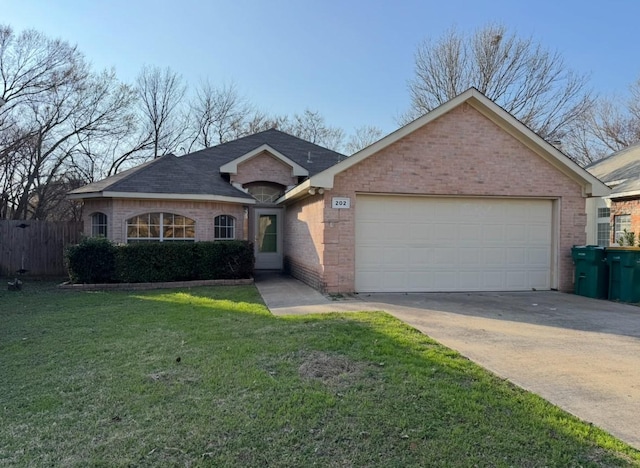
x: 154, y: 261
x: 175, y: 261
x: 223, y: 259
x: 93, y: 260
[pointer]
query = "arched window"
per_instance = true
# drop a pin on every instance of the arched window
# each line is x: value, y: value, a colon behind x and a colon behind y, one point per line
x: 160, y: 227
x: 224, y: 227
x: 98, y: 225
x: 265, y: 192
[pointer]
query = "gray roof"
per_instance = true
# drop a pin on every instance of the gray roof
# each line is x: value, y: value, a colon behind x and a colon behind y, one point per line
x: 312, y: 157
x: 199, y: 172
x: 621, y: 170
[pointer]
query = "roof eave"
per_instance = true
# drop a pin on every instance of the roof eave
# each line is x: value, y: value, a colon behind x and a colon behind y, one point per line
x: 296, y: 193
x: 162, y: 196
x: 628, y: 194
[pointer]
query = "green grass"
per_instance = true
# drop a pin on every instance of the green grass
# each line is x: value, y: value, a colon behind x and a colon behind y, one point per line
x: 92, y: 379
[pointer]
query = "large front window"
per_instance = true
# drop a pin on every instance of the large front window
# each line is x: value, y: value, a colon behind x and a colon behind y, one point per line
x: 160, y: 227
x: 224, y: 227
x: 621, y: 223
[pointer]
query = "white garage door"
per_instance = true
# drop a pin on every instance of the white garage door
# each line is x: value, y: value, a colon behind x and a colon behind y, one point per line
x: 419, y: 244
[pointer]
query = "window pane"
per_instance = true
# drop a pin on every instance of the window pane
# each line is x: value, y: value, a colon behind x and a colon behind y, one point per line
x: 604, y: 231
x: 224, y: 227
x: 154, y: 231
x: 604, y: 212
x: 267, y: 235
x: 621, y: 222
x: 99, y: 225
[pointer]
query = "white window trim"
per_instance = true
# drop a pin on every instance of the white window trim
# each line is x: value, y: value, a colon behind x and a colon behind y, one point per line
x: 216, y: 226
x: 96, y: 226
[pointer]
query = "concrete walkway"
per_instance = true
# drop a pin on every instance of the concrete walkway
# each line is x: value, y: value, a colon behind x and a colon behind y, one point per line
x: 578, y: 353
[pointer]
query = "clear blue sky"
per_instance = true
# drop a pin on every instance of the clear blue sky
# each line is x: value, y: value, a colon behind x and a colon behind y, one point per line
x: 348, y: 59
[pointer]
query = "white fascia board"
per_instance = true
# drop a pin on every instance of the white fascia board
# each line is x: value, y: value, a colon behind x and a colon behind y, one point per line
x: 591, y: 185
x: 299, y: 191
x: 162, y: 196
x: 232, y: 166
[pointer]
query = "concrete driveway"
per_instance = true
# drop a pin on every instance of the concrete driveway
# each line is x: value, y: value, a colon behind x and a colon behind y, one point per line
x: 580, y: 354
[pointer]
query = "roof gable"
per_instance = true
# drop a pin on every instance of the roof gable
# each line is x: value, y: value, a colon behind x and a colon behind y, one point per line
x: 232, y: 166
x: 591, y: 185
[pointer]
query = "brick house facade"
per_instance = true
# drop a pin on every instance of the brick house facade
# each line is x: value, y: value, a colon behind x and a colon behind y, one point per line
x: 468, y: 154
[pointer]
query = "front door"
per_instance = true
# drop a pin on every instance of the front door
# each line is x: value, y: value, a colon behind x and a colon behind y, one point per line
x: 267, y: 238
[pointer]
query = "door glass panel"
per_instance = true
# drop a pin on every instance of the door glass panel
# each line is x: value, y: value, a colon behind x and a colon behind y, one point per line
x: 267, y: 233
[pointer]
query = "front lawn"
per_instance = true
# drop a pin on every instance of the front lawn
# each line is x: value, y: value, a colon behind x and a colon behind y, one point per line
x: 207, y: 377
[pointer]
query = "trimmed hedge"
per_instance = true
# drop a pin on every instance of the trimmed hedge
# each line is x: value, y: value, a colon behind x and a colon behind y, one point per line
x: 93, y: 260
x: 159, y: 261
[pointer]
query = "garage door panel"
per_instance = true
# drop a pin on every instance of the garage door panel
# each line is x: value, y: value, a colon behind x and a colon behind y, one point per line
x: 538, y: 234
x: 537, y: 257
x: 394, y: 256
x: 408, y: 244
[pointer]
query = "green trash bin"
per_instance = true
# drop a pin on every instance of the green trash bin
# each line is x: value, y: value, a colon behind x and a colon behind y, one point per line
x: 624, y: 277
x: 592, y: 271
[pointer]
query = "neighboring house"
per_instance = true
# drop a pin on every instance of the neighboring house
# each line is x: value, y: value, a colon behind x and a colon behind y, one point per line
x: 609, y: 216
x: 465, y: 198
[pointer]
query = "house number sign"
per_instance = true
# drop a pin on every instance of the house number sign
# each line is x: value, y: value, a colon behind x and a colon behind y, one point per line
x: 341, y: 203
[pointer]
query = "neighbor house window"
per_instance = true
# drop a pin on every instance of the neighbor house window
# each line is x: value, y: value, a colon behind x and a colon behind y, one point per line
x: 160, y: 227
x: 604, y: 227
x: 621, y: 222
x: 224, y: 227
x: 98, y: 225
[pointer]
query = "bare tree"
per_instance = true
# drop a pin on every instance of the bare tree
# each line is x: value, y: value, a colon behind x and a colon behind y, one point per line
x: 363, y: 137
x: 217, y: 115
x: 527, y: 80
x: 53, y: 104
x: 311, y: 126
x: 611, y: 125
x: 160, y: 95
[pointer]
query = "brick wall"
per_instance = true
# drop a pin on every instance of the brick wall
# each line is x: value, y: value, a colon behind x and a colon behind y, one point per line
x: 460, y: 153
x: 203, y: 212
x: 304, y: 241
x: 264, y: 167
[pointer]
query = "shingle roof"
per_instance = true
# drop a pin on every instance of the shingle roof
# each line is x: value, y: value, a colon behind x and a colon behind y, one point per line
x: 199, y: 172
x: 621, y: 170
x: 312, y: 157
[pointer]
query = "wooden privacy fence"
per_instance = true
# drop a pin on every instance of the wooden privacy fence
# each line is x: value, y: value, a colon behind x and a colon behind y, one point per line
x: 36, y: 246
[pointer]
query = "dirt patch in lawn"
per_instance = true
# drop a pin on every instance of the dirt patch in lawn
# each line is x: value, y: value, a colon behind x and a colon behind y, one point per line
x: 333, y: 370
